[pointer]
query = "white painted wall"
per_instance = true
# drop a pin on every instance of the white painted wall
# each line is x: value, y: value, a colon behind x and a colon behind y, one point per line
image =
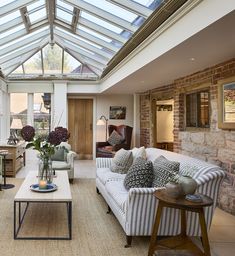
x: 103, y: 103
x: 4, y: 108
x: 60, y: 113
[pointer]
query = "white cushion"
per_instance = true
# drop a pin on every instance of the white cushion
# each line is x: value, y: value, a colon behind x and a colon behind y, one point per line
x: 60, y: 165
x: 104, y: 174
x: 139, y: 152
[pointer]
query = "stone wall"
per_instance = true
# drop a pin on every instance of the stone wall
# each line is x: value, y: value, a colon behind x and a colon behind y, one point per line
x: 211, y: 144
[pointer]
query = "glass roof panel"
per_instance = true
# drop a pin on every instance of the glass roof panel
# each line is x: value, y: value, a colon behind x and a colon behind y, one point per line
x: 9, y: 17
x: 65, y: 5
x: 12, y: 31
x: 101, y: 22
x: 114, y: 9
x: 19, y: 70
x: 38, y: 15
x: 52, y: 59
x: 62, y: 15
x: 23, y: 38
x: 5, y: 2
x: 34, y: 64
x: 35, y: 5
x: 70, y: 64
x: 106, y: 39
x: 146, y: 3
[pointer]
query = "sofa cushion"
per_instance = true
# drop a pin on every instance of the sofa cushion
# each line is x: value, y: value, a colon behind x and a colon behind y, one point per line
x: 164, y: 170
x: 59, y: 155
x: 140, y: 174
x: 115, y: 138
x: 118, y: 193
x: 122, y: 161
x: 60, y: 165
x: 139, y: 152
x: 104, y: 174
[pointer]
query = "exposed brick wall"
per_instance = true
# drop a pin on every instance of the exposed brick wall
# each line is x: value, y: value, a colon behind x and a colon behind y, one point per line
x: 212, y: 145
x: 145, y: 111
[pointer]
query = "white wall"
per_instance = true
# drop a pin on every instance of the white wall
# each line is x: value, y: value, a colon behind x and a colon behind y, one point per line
x: 103, y: 103
x: 3, y: 112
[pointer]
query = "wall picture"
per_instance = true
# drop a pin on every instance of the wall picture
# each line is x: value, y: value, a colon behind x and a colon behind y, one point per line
x: 117, y: 112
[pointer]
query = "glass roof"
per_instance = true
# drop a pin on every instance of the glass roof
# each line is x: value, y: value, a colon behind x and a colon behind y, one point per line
x: 80, y: 37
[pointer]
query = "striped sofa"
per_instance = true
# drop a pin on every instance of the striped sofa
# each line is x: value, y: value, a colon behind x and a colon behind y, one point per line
x: 135, y: 209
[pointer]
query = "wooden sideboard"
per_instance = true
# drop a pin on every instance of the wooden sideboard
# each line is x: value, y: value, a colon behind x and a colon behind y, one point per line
x: 15, y: 159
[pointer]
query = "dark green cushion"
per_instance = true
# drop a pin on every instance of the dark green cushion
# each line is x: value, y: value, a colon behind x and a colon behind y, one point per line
x: 164, y: 171
x: 140, y: 174
x: 60, y: 155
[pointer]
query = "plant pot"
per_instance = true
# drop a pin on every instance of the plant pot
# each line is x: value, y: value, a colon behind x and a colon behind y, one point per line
x: 174, y: 190
x: 188, y: 184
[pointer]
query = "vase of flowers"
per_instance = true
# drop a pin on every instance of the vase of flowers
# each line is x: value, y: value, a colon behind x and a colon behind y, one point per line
x: 46, y: 146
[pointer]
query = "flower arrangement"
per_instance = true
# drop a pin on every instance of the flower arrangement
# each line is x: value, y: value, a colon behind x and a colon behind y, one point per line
x: 44, y: 144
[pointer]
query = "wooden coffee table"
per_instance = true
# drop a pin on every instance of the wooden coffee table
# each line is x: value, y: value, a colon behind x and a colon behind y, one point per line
x: 181, y: 241
x: 25, y: 196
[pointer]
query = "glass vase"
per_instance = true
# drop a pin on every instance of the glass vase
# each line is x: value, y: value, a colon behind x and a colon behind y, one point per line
x: 45, y: 171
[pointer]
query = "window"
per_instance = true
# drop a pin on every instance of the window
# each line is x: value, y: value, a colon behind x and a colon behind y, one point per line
x: 197, y: 109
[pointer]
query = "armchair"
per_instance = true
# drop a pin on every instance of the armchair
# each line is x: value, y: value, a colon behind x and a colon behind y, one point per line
x: 105, y: 149
x: 63, y: 160
x: 0, y: 173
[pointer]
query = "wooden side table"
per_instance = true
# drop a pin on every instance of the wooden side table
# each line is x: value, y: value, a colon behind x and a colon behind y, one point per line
x: 181, y: 241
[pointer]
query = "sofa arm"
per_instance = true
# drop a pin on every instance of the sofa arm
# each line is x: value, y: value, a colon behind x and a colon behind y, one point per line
x: 103, y: 162
x: 102, y: 144
x: 70, y: 157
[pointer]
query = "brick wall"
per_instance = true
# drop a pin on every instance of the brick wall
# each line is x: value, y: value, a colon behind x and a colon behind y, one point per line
x: 213, y: 145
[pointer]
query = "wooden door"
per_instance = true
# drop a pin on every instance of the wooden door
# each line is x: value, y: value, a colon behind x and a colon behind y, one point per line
x: 80, y: 124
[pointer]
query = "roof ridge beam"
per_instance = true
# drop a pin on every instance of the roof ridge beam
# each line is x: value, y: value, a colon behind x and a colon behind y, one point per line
x: 14, y: 6
x: 133, y: 7
x: 83, y: 44
x: 50, y: 6
x: 104, y: 15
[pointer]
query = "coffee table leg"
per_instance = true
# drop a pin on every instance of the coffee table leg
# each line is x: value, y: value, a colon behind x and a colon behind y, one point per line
x: 155, y: 230
x: 205, y: 241
x: 69, y: 205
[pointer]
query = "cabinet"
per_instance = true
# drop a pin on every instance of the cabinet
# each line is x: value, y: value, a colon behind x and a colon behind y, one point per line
x: 15, y: 159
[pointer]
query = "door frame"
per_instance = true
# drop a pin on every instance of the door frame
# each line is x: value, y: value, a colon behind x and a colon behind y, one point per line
x: 93, y: 119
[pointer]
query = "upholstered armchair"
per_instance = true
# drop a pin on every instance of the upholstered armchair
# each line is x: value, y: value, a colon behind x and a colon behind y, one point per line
x: 107, y: 148
x: 64, y: 160
x: 1, y: 173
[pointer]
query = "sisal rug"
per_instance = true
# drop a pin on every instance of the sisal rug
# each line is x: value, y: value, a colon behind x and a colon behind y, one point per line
x: 95, y: 233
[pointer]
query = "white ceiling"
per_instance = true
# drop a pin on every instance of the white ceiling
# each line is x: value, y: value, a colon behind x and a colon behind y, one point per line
x: 210, y: 46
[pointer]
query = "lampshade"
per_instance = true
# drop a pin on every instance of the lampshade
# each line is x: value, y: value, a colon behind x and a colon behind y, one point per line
x: 100, y: 122
x: 16, y: 124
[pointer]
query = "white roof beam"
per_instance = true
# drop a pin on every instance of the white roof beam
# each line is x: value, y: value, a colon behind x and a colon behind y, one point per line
x: 12, y: 37
x: 104, y: 31
x: 25, y: 18
x: 134, y: 7
x: 14, y: 6
x: 23, y: 42
x: 88, y: 37
x: 103, y: 14
x: 79, y: 52
x: 10, y: 24
x: 50, y: 5
x: 76, y: 14
x: 83, y: 44
x: 39, y: 24
x: 23, y: 51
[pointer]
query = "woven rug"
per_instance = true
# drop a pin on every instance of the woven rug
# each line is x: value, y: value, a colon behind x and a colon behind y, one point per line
x: 94, y: 232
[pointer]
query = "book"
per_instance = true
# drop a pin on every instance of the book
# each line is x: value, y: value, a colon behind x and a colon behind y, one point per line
x: 193, y: 198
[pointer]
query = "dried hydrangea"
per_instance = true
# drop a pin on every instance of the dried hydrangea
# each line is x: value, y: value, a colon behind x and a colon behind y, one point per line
x: 63, y: 133
x: 28, y: 133
x: 54, y: 138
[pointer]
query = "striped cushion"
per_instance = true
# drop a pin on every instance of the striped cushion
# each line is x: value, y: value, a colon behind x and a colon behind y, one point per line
x: 164, y: 171
x: 122, y: 161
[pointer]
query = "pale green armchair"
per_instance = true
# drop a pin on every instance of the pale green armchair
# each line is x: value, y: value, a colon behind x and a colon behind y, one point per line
x: 63, y: 160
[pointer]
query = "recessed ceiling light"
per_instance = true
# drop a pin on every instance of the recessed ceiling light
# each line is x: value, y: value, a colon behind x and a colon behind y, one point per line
x: 192, y: 59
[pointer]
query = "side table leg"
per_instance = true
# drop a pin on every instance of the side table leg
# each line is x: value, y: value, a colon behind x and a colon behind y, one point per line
x: 183, y: 223
x: 205, y: 241
x: 155, y: 230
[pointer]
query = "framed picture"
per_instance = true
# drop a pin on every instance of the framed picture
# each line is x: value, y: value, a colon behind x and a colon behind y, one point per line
x: 117, y: 112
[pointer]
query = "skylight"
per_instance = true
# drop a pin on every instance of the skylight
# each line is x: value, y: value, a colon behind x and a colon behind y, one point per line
x: 84, y: 34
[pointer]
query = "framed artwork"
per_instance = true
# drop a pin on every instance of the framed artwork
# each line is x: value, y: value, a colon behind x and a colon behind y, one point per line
x: 117, y: 112
x: 226, y: 103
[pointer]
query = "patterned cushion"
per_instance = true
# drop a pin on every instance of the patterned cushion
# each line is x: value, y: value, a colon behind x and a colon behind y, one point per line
x: 140, y: 174
x: 115, y: 138
x: 188, y: 170
x: 122, y: 161
x: 164, y: 171
x: 139, y: 152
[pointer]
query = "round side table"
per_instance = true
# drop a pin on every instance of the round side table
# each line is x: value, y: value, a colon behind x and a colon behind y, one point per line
x: 181, y: 241
x: 4, y: 153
